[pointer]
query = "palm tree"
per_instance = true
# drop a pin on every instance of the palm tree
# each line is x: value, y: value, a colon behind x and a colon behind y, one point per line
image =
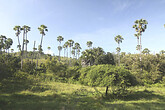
x: 73, y: 51
x: 70, y: 42
x: 89, y: 43
x: 34, y: 49
x: 27, y: 29
x: 64, y: 46
x: 78, y: 51
x: 18, y: 31
x: 59, y: 38
x: 49, y: 49
x: 59, y: 49
x: 146, y: 51
x: 77, y: 45
x: 118, y: 39
x: 42, y: 30
x: 140, y: 26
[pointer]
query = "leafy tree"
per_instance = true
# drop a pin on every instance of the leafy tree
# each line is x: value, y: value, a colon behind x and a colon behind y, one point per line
x: 118, y: 39
x: 89, y: 43
x: 2, y: 42
x: 8, y: 44
x: 89, y: 56
x: 162, y: 52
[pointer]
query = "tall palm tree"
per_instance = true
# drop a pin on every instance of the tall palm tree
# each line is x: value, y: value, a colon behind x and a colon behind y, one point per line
x: 64, y: 47
x: 78, y: 51
x: 59, y: 49
x: 89, y: 43
x: 77, y: 45
x: 60, y: 39
x: 18, y: 31
x: 140, y: 26
x: 42, y: 30
x: 73, y: 51
x: 118, y: 39
x: 34, y: 49
x: 27, y: 29
x: 70, y: 42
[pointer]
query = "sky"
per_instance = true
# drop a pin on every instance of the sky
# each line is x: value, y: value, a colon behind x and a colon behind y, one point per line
x: 98, y: 21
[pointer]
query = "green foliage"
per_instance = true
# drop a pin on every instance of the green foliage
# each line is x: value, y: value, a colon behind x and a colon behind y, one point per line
x: 106, y: 75
x: 29, y: 67
x: 105, y: 59
x: 8, y: 65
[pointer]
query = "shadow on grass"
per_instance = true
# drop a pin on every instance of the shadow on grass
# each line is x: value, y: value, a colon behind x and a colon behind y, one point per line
x: 12, y: 85
x: 147, y: 95
x: 70, y: 102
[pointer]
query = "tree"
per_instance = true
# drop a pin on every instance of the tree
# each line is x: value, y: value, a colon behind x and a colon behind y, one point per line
x: 66, y: 46
x: 77, y: 46
x: 60, y: 39
x: 8, y: 44
x: 18, y: 31
x: 49, y: 49
x: 59, y: 49
x: 118, y: 39
x: 140, y: 26
x: 162, y: 52
x: 73, y: 52
x: 90, y: 56
x: 42, y: 30
x: 89, y: 43
x: 2, y: 42
x: 27, y: 29
x: 70, y: 42
x: 146, y: 51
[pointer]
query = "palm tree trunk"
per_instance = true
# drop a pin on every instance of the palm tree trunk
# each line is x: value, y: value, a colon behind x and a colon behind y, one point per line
x: 140, y: 49
x: 26, y: 46
x: 19, y: 44
x: 41, y: 40
x: 119, y: 55
x: 33, y: 50
x: 37, y: 61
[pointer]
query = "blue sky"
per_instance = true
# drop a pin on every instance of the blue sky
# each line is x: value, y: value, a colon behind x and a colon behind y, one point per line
x: 82, y: 20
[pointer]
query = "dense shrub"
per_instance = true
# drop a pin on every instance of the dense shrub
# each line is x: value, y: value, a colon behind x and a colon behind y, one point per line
x: 8, y: 65
x: 29, y: 67
x: 106, y: 75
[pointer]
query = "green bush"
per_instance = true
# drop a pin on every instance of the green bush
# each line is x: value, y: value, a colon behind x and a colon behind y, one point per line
x: 106, y: 75
x: 29, y: 67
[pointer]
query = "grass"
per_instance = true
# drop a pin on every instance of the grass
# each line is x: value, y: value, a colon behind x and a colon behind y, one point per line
x: 30, y: 95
